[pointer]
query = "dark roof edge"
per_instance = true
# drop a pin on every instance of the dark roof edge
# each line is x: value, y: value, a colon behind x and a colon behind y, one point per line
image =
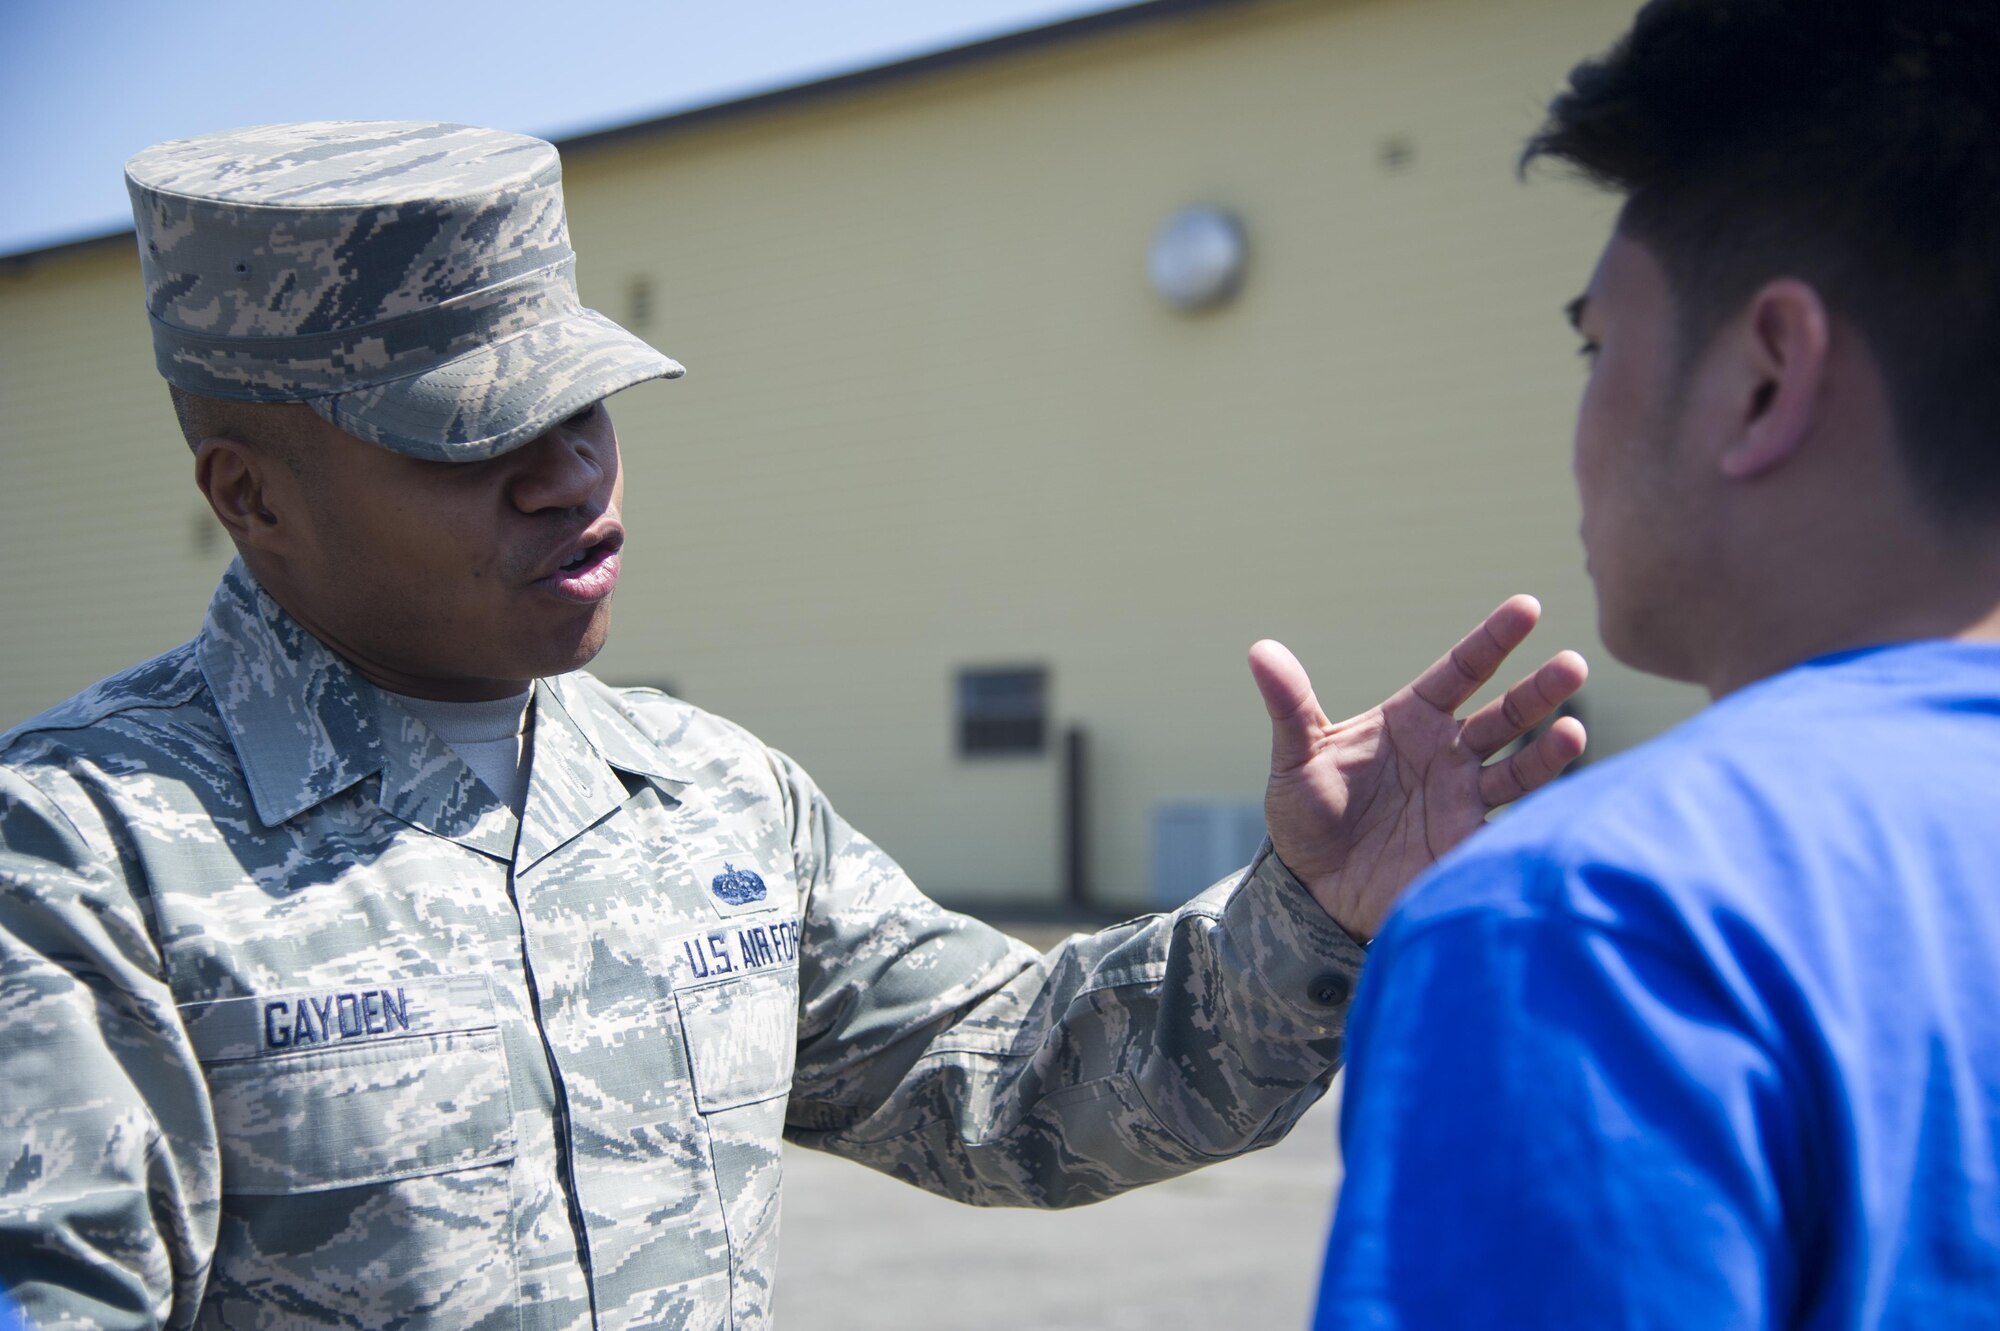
x: 991, y: 48
x: 19, y: 259
x: 916, y: 66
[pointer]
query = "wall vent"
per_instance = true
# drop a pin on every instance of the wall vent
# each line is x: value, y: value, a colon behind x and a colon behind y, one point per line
x: 1195, y: 842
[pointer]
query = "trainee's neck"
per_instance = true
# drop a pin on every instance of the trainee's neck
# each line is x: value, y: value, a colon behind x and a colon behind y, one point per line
x: 1950, y: 590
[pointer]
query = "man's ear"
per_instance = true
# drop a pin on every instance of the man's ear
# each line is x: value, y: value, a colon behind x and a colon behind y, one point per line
x: 236, y: 479
x: 1783, y: 349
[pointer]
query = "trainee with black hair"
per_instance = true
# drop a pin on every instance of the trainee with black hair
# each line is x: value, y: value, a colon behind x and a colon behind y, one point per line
x: 1706, y: 1037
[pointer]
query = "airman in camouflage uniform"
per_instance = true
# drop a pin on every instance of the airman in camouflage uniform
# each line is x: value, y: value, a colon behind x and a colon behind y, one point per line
x: 304, y: 1024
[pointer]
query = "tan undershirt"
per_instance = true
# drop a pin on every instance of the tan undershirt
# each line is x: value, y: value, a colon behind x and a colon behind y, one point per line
x: 490, y: 737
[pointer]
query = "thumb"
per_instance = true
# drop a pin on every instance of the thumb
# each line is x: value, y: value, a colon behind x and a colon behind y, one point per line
x: 1296, y: 718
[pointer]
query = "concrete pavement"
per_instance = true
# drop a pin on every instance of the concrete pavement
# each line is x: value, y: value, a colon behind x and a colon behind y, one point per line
x: 1234, y: 1247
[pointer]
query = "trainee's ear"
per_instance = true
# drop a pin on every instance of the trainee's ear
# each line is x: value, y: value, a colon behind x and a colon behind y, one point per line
x: 1785, y: 341
x: 235, y: 477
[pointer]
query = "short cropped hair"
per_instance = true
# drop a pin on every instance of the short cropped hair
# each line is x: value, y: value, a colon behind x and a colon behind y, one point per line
x: 273, y: 427
x: 1851, y: 144
x: 202, y: 417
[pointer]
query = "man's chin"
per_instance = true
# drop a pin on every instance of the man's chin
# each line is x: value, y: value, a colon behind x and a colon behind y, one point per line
x: 577, y: 652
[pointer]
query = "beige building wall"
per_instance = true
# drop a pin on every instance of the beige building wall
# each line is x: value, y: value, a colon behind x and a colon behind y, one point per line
x: 109, y: 554
x: 934, y: 417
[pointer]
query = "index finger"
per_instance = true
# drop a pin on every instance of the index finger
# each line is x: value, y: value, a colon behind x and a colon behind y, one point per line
x: 1460, y: 672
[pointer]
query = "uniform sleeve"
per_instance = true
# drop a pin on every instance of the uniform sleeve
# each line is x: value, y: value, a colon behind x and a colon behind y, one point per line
x: 939, y: 1051
x: 109, y: 1192
x: 1551, y: 1122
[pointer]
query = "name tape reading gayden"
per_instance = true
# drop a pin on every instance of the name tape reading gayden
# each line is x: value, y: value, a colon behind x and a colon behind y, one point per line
x: 336, y: 1016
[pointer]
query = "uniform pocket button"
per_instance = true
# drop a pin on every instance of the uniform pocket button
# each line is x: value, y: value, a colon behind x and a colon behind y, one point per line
x: 1330, y: 989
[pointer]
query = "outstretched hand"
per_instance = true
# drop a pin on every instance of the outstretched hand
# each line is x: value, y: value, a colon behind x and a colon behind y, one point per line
x: 1358, y: 808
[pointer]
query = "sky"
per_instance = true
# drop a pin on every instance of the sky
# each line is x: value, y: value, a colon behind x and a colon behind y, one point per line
x: 84, y: 84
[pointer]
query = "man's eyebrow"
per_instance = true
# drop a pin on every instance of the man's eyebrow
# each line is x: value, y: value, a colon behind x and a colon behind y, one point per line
x: 1574, y: 310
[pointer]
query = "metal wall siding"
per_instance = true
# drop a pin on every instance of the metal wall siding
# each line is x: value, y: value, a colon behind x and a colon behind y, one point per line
x: 935, y: 418
x: 98, y: 510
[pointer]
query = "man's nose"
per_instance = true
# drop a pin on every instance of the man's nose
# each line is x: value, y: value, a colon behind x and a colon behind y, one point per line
x: 564, y: 467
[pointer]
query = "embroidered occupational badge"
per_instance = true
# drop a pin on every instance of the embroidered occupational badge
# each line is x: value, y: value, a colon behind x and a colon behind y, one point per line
x: 738, y: 887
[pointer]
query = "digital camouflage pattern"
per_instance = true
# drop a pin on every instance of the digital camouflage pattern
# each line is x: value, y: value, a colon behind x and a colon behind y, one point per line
x: 412, y: 281
x: 302, y: 1027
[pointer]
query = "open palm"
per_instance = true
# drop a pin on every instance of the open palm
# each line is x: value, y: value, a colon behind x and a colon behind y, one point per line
x: 1358, y: 808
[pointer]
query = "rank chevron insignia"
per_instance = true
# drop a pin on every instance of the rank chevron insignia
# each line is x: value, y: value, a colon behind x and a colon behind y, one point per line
x: 737, y: 886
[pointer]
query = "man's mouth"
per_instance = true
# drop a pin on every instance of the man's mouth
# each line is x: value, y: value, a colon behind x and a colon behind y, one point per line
x: 591, y: 571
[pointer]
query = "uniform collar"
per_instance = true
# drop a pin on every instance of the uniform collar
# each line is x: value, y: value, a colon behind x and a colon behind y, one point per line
x: 582, y: 745
x: 592, y: 708
x: 306, y: 727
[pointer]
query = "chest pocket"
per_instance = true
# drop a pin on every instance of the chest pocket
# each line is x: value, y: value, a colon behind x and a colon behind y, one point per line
x: 319, y: 1090
x: 308, y: 1122
x: 364, y: 1167
x: 742, y: 1038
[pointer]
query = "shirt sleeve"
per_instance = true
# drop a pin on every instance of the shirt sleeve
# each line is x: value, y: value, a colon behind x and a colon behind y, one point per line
x: 1553, y: 1122
x: 110, y: 1190
x: 939, y: 1051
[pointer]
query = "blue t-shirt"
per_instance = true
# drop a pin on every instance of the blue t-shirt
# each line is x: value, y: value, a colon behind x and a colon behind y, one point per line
x: 1707, y: 1036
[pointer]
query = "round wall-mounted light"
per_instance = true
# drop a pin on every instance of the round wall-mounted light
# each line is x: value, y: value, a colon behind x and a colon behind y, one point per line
x: 1197, y: 257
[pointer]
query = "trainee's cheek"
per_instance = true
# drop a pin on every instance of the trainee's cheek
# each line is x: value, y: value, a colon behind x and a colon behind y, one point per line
x: 1584, y: 450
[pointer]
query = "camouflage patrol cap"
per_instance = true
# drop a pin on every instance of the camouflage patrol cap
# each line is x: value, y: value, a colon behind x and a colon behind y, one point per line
x: 411, y: 282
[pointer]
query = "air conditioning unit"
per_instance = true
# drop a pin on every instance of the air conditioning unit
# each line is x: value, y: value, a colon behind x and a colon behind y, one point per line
x: 1196, y: 842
